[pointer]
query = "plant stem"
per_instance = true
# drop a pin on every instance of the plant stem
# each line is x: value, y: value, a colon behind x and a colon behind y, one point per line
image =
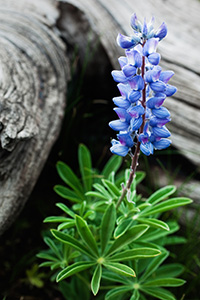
x: 136, y: 155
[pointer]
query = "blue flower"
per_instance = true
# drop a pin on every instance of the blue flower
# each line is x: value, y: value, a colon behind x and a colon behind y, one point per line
x: 144, y: 87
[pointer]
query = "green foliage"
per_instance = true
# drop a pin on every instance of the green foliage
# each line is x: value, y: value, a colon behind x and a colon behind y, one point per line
x: 95, y: 243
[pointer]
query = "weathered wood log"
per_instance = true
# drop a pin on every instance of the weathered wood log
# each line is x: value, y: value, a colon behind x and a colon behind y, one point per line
x: 33, y: 74
x: 89, y: 21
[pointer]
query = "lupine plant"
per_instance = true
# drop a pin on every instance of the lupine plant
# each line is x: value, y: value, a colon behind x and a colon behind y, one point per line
x: 111, y: 241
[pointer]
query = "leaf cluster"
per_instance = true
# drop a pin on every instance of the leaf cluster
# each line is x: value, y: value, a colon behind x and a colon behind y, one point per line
x: 115, y: 253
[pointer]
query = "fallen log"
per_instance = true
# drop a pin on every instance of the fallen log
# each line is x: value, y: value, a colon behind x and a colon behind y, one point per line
x: 33, y: 73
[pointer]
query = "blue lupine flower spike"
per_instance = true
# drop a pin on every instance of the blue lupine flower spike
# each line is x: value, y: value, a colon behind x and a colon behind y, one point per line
x: 143, y: 87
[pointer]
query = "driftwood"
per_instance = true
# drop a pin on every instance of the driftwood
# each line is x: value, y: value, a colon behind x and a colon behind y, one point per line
x: 33, y: 74
x: 89, y: 21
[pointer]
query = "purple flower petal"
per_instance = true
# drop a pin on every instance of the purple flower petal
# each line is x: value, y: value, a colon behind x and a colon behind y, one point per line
x: 118, y: 125
x: 153, y: 75
x: 158, y: 122
x: 119, y: 149
x: 146, y: 148
x: 145, y: 29
x: 143, y: 138
x: 162, y: 144
x: 125, y: 139
x: 121, y: 102
x: 150, y: 46
x: 119, y: 76
x: 129, y: 70
x: 135, y: 23
x: 122, y: 61
x: 136, y: 123
x: 137, y: 83
x: 161, y: 112
x: 154, y: 58
x: 124, y: 89
x: 134, y: 96
x: 121, y: 112
x: 127, y: 42
x: 158, y: 86
x: 161, y: 31
x: 162, y: 132
x: 166, y: 75
x: 155, y: 102
x: 136, y: 111
x: 134, y: 57
x: 170, y: 90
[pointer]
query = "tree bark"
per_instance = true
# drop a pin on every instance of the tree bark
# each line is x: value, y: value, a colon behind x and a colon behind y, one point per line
x: 33, y: 75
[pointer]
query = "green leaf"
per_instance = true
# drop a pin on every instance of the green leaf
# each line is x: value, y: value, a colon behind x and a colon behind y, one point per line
x: 112, y: 294
x: 107, y: 226
x: 86, y: 235
x: 136, y: 295
x: 164, y: 282
x: 129, y: 236
x: 154, y: 264
x: 66, y: 238
x: 161, y: 194
x: 122, y: 227
x: 96, y: 278
x: 73, y: 269
x: 112, y: 165
x: 68, y: 194
x: 102, y: 190
x: 154, y: 223
x: 47, y: 256
x: 120, y: 269
x: 85, y: 164
x: 169, y: 270
x: 112, y: 188
x: 56, y: 219
x: 66, y: 225
x: 159, y: 293
x: 137, y: 253
x: 167, y: 205
x: 69, y: 177
x: 66, y: 209
x: 52, y: 246
x: 114, y: 277
x: 97, y: 195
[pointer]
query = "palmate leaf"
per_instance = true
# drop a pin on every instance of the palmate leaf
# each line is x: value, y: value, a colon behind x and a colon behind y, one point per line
x: 56, y: 219
x: 114, y: 277
x: 114, y: 293
x: 120, y: 269
x: 129, y: 236
x: 122, y: 227
x: 86, y: 235
x: 53, y: 247
x: 73, y: 269
x: 137, y: 253
x: 66, y: 238
x: 96, y: 278
x: 164, y: 282
x: 161, y: 194
x: 107, y: 226
x: 69, y: 177
x: 167, y: 205
x: 85, y: 164
x: 102, y: 190
x: 159, y: 293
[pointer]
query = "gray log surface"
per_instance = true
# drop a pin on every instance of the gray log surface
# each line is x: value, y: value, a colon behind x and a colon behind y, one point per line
x: 33, y: 78
x: 89, y: 20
